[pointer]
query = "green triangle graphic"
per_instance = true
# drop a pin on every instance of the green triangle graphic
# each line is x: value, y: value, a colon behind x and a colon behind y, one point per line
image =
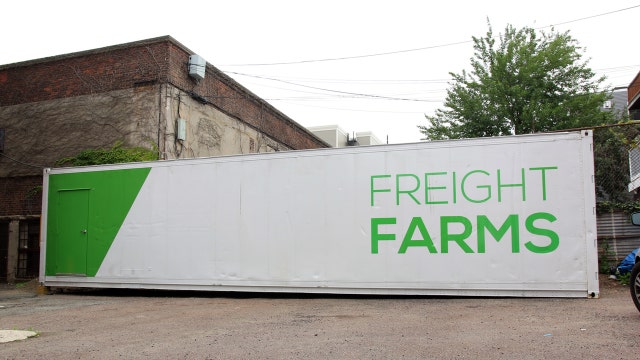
x: 85, y: 212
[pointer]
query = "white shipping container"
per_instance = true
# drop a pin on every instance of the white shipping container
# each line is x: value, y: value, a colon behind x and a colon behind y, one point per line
x: 504, y: 216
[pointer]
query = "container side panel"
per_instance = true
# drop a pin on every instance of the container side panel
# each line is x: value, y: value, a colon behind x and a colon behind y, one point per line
x: 476, y: 217
x: 503, y: 217
x: 85, y: 212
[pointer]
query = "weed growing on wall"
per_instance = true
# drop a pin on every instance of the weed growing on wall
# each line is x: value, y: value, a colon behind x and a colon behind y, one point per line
x: 116, y: 154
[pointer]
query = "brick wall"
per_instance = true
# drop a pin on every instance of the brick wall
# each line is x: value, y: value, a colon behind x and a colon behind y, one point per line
x: 20, y: 195
x: 145, y: 62
x: 81, y: 74
x: 633, y: 91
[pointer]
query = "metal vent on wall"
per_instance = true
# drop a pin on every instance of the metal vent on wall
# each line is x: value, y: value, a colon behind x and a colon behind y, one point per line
x: 181, y: 134
x: 197, y: 67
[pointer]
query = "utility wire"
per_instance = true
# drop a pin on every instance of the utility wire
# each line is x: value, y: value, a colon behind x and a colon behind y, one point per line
x: 622, y: 68
x: 593, y: 16
x: 329, y: 90
x: 344, y: 94
x: 356, y: 56
x: 324, y: 96
x: 21, y: 162
x: 356, y: 110
x: 420, y: 48
x: 362, y: 81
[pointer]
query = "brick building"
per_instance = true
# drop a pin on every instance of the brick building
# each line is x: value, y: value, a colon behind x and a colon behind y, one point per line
x: 633, y: 102
x: 152, y: 93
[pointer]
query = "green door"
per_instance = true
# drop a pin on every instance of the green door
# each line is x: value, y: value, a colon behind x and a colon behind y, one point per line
x: 72, y: 234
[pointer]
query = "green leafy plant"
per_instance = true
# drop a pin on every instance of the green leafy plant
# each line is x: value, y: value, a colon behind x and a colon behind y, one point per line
x: 116, y: 154
x: 609, y: 206
x: 37, y: 333
x: 35, y: 191
x: 604, y: 254
x: 624, y: 278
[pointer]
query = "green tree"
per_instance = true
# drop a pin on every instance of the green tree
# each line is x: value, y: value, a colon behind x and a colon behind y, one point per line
x: 522, y: 82
x: 611, y: 146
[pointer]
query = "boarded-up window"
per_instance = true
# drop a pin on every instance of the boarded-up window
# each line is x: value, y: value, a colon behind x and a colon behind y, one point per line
x: 28, y: 249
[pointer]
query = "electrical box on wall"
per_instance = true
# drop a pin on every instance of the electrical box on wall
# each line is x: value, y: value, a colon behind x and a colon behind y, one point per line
x: 197, y: 67
x: 182, y: 129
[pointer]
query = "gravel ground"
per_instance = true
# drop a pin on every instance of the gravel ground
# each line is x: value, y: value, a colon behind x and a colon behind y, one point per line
x: 187, y: 325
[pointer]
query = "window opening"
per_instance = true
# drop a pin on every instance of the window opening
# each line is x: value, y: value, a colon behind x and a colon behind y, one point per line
x: 28, y: 249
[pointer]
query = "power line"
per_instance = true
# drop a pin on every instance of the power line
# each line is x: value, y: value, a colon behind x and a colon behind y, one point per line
x: 323, y: 96
x: 594, y: 16
x: 21, y: 162
x: 355, y: 56
x: 351, y: 95
x: 357, y: 81
x: 357, y: 110
x: 420, y: 48
x: 621, y: 68
x: 618, y: 68
x: 330, y: 90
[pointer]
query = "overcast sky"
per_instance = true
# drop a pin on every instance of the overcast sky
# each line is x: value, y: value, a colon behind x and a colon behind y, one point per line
x: 370, y: 65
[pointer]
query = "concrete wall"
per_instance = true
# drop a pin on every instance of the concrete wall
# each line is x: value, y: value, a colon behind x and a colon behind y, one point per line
x: 210, y: 132
x: 42, y: 132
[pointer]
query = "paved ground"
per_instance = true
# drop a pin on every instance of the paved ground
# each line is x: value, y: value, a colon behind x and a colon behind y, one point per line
x: 169, y: 325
